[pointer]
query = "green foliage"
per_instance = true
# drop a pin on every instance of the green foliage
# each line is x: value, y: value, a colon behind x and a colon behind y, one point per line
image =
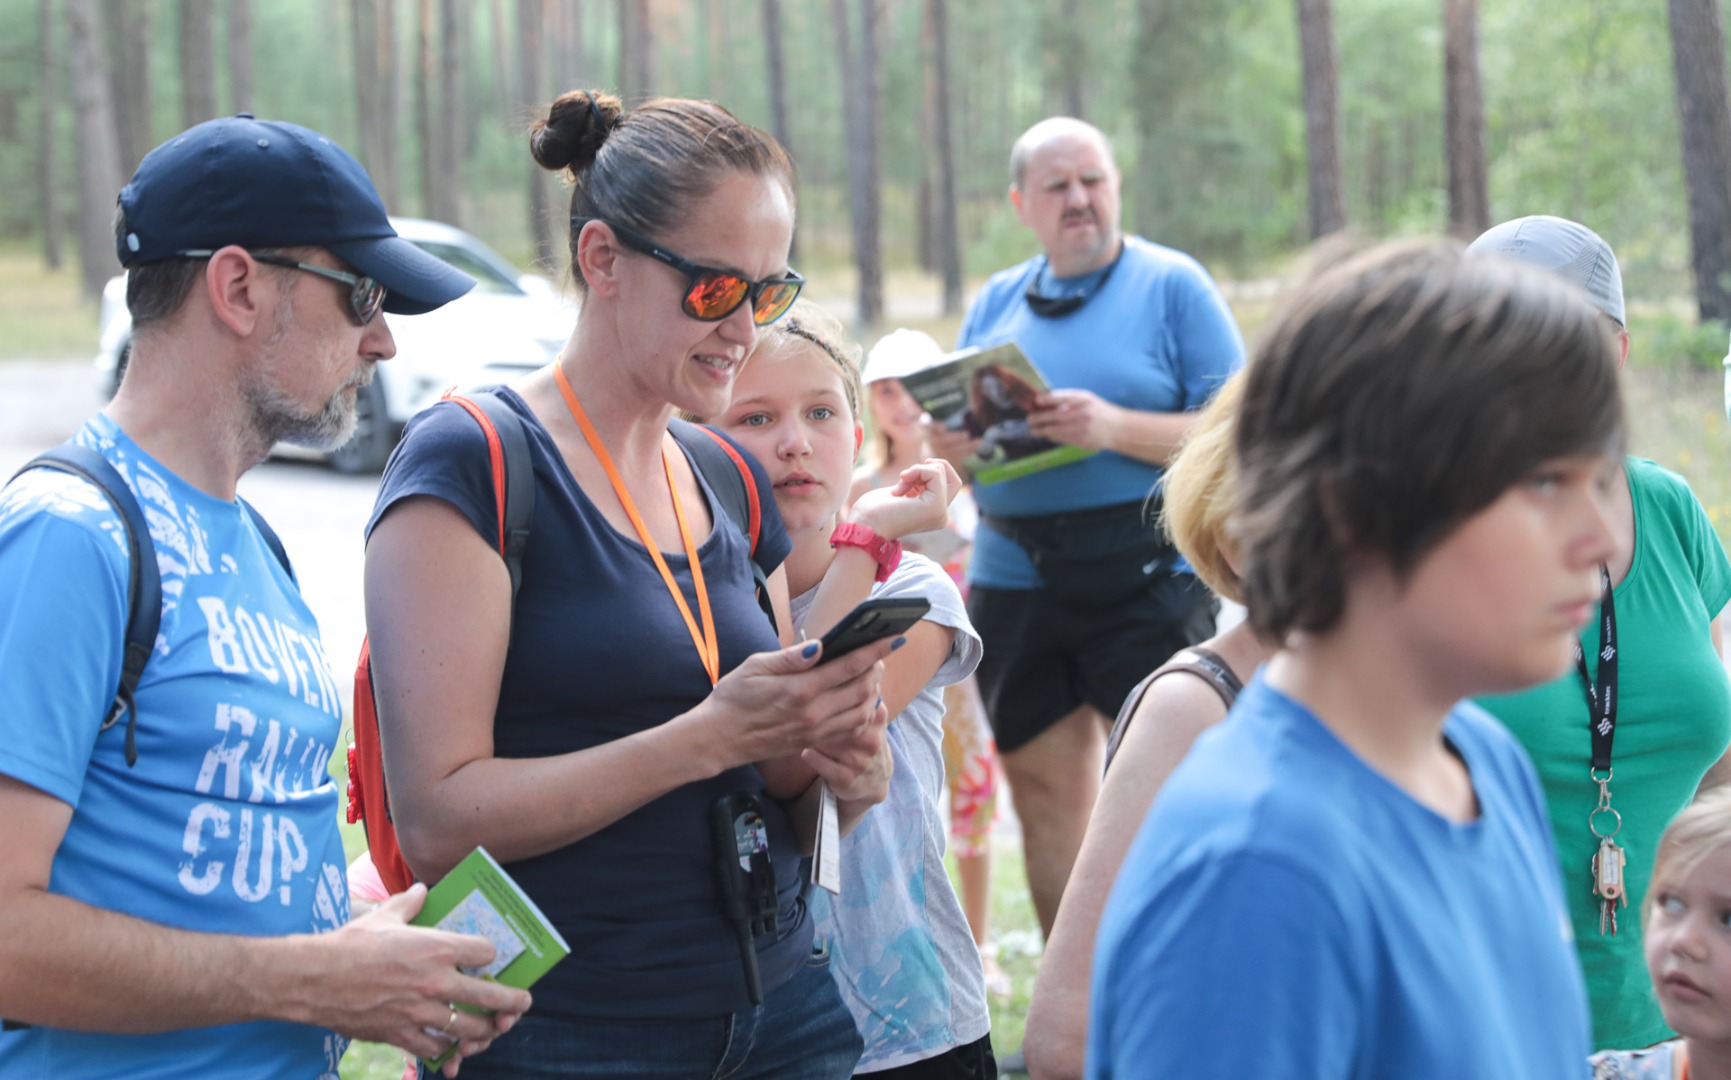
x: 40, y: 314
x: 1665, y: 340
x: 1216, y: 166
x: 1202, y: 99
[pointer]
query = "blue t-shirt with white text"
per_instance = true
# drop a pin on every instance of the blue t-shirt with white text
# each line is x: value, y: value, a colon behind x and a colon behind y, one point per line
x: 227, y: 824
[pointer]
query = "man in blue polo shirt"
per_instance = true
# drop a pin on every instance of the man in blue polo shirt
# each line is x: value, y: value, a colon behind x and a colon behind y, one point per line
x: 1075, y: 592
x: 172, y: 899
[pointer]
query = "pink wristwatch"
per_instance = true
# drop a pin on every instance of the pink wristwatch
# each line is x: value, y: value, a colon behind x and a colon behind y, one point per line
x: 888, y: 553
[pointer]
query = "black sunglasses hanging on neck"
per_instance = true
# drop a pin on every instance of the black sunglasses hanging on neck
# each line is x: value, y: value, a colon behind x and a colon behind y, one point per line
x: 1054, y: 307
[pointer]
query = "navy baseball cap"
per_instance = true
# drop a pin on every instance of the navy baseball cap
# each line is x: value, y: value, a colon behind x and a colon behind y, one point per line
x: 1566, y: 247
x: 268, y: 184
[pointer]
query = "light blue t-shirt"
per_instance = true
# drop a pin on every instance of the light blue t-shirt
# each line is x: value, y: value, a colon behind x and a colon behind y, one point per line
x: 228, y: 822
x: 902, y: 952
x: 1156, y: 337
x: 1287, y: 912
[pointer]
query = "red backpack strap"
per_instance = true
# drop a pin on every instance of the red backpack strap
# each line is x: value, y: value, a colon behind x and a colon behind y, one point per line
x: 495, y: 456
x: 754, y: 510
x: 514, y: 495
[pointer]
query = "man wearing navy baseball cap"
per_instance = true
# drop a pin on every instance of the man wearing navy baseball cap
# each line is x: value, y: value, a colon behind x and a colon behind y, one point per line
x: 173, y: 900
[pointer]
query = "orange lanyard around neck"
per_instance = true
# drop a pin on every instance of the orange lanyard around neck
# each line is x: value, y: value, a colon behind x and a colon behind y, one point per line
x: 708, y: 649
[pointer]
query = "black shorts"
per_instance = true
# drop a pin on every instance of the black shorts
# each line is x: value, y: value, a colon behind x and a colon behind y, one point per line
x: 971, y: 1062
x: 1043, y: 659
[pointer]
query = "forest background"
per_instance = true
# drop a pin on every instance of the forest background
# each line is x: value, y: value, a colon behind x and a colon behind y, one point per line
x: 1244, y: 129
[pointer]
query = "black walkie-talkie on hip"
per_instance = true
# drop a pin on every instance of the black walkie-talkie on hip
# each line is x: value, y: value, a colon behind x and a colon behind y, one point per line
x: 747, y: 878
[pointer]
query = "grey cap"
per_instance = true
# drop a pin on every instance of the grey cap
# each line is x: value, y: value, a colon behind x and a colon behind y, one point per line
x: 1568, y: 247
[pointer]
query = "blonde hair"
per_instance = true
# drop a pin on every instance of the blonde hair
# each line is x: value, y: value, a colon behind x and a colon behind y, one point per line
x: 807, y: 324
x: 1699, y: 829
x: 1201, y: 491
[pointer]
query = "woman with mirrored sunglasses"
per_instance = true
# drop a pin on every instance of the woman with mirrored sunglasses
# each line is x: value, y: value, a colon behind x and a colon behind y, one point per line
x: 586, y: 731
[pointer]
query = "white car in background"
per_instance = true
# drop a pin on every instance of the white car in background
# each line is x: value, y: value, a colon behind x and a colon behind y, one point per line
x: 508, y: 324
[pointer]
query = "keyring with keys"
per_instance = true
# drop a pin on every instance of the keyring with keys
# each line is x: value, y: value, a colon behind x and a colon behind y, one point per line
x: 1610, y: 859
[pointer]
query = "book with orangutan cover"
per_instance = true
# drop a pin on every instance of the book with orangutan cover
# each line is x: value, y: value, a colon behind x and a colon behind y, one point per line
x: 988, y: 393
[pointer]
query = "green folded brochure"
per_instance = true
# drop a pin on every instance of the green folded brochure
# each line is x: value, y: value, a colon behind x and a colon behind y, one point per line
x: 478, y: 897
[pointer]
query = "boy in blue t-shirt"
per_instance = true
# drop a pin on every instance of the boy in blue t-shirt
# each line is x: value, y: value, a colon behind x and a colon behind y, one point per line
x: 1352, y: 876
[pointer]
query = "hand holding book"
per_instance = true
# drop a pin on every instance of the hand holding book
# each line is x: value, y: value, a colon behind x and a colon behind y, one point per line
x: 984, y: 405
x: 1075, y: 418
x: 478, y: 898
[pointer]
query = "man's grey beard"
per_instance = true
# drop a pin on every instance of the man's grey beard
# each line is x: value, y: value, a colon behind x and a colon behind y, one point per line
x: 278, y: 418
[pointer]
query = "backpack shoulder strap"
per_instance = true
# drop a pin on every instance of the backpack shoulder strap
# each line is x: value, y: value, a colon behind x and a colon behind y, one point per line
x: 733, y: 483
x: 513, y: 475
x: 144, y: 590
x: 725, y: 469
x: 271, y: 539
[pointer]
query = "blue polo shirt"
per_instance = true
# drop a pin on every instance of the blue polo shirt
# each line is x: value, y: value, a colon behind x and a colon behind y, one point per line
x: 1156, y: 337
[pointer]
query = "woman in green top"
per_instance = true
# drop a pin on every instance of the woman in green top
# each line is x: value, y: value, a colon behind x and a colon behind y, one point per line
x: 1664, y: 686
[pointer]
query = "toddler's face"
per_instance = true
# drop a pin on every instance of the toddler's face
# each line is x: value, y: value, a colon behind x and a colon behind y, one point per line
x: 1688, y: 945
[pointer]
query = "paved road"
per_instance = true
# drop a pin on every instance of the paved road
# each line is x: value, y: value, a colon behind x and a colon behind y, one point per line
x: 318, y: 512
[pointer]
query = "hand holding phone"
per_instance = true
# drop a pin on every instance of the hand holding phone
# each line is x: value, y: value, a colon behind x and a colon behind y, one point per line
x: 871, y: 621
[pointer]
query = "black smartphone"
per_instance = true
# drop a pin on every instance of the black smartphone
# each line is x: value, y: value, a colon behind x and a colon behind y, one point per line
x: 873, y: 619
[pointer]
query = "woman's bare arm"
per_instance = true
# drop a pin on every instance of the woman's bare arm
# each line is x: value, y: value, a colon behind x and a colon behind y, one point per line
x: 1177, y: 708
x: 438, y: 615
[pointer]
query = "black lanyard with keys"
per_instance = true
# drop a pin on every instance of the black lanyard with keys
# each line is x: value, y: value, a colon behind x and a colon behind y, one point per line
x: 1610, y: 859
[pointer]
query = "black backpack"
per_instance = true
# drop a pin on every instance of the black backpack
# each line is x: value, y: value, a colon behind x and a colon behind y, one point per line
x: 144, y: 591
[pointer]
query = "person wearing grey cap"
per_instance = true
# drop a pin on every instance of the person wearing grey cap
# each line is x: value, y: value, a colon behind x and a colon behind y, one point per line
x: 172, y: 902
x: 1624, y: 741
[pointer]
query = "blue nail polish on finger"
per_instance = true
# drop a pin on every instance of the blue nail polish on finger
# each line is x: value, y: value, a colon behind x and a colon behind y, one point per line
x: 809, y: 651
x: 898, y: 643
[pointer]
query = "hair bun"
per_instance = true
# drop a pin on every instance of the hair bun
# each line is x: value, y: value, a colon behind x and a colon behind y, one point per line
x: 575, y: 127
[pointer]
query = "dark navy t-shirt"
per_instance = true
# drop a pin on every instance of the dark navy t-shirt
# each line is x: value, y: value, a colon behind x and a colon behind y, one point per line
x: 599, y: 651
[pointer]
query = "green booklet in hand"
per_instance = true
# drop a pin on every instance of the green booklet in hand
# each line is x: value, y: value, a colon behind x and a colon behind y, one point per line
x: 988, y: 394
x: 478, y: 897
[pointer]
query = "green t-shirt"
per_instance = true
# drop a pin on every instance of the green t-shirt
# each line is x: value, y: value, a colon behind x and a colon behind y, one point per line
x: 1673, y: 723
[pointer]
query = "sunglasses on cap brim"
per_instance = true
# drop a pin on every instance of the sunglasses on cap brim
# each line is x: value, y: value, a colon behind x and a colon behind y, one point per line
x: 712, y: 294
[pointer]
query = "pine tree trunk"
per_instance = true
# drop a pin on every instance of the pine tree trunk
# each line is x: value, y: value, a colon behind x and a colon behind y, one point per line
x: 197, y: 62
x: 47, y: 188
x: 454, y: 108
x: 1698, y: 57
x: 1066, y: 59
x: 1321, y: 115
x: 426, y: 101
x: 859, y: 91
x: 570, y: 71
x: 1464, y: 120
x: 504, y: 86
x: 99, y: 176
x: 129, y: 79
x: 636, y: 52
x: 240, y: 55
x: 439, y: 164
x: 391, y: 75
x: 775, y: 64
x: 945, y: 226
x: 871, y: 257
x: 376, y: 95
x: 532, y: 49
